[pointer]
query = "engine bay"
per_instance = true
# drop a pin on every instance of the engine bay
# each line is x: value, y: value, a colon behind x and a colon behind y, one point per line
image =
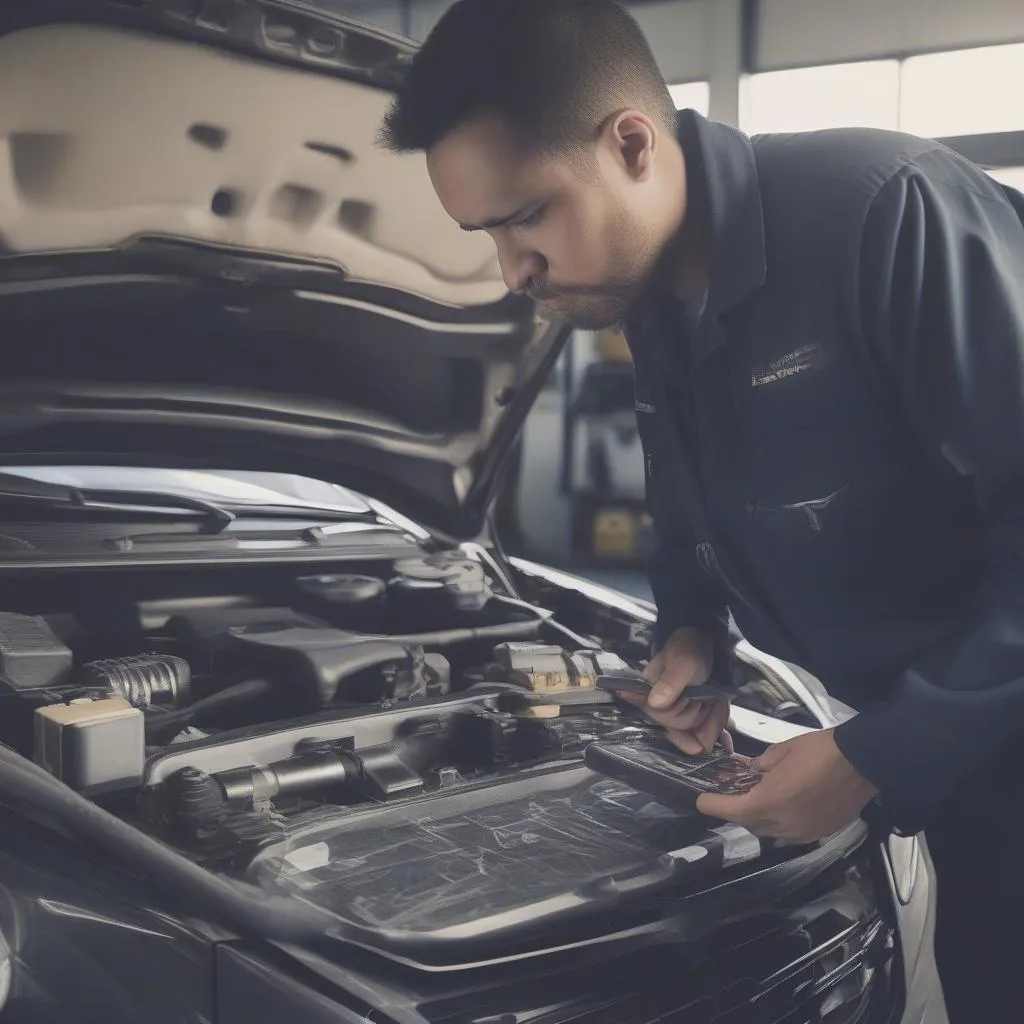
x: 226, y: 723
x: 401, y: 742
x: 215, y: 721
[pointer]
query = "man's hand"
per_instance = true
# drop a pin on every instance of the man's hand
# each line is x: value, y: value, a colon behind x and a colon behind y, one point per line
x: 809, y: 791
x: 685, y: 660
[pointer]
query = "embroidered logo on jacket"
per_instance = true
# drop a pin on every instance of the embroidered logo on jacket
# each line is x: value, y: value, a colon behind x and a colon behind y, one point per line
x: 646, y: 407
x: 785, y: 366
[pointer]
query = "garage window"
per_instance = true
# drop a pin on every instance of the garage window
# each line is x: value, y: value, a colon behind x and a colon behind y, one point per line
x: 692, y: 96
x: 1012, y: 176
x: 865, y: 94
x: 936, y: 95
x: 968, y: 99
x: 966, y: 92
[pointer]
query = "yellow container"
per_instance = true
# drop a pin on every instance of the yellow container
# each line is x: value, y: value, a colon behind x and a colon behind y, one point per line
x: 612, y: 347
x: 614, y: 533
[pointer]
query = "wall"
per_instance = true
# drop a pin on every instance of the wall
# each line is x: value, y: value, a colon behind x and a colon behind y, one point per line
x: 703, y: 39
x: 794, y: 32
x: 423, y: 16
x: 691, y: 37
x: 678, y: 34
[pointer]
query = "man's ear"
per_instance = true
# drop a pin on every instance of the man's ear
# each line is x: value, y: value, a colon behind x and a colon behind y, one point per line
x: 632, y: 137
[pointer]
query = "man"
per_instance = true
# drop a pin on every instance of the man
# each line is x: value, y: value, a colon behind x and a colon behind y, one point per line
x: 828, y: 332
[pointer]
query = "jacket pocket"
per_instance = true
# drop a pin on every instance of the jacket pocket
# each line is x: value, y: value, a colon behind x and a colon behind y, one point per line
x: 811, y: 513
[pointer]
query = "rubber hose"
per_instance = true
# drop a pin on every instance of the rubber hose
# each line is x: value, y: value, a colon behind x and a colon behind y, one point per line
x: 448, y: 637
x: 247, y: 690
x: 248, y: 909
x: 548, y: 620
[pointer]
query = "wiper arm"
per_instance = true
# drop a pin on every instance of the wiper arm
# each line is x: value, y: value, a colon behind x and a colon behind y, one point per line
x: 317, y: 513
x: 21, y: 489
x: 14, y: 488
x: 118, y: 501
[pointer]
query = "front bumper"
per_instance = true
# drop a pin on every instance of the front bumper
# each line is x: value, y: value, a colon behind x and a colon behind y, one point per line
x: 916, y: 926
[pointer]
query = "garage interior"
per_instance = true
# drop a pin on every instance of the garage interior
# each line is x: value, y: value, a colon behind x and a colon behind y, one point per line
x: 273, y: 750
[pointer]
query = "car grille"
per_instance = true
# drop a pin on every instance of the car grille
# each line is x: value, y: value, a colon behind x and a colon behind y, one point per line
x: 825, y: 957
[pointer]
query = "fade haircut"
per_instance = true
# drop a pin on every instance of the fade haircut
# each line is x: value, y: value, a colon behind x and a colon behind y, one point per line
x: 553, y: 71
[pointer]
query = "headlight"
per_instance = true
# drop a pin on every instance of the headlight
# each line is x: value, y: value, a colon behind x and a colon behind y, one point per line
x: 6, y: 970
x: 904, y: 859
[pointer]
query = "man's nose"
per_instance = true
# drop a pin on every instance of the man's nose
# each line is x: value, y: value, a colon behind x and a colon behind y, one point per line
x: 519, y: 267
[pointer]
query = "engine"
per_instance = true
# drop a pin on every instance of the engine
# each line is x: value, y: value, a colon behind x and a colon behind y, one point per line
x: 219, y: 722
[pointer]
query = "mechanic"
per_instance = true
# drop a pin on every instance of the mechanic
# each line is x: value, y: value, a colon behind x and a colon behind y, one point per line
x: 828, y: 336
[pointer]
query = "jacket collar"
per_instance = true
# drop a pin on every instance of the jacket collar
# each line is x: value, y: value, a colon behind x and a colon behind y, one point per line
x: 722, y: 180
x: 722, y: 171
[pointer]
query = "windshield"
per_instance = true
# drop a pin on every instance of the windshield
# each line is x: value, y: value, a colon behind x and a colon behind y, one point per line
x: 228, y: 487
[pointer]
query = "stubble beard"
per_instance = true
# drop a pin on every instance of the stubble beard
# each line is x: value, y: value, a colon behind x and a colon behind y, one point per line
x: 608, y: 304
x: 597, y: 312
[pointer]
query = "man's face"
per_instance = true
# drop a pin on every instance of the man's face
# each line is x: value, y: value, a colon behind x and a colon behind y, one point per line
x: 570, y: 234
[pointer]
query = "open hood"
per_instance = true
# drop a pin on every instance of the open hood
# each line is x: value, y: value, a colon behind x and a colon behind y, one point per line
x: 207, y: 262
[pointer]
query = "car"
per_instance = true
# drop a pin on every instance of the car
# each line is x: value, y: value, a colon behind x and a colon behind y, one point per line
x: 284, y: 732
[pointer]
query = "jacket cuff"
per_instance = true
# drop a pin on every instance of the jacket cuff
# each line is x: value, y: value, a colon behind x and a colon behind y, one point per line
x: 716, y: 627
x: 914, y: 752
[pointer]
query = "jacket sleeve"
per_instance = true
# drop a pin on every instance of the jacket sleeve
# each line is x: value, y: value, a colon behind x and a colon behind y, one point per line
x: 683, y: 592
x: 942, y: 301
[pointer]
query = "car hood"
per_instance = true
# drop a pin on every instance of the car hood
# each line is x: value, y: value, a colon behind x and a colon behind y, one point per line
x: 207, y: 262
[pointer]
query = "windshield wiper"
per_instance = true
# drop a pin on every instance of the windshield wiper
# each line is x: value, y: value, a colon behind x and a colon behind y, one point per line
x: 22, y: 490
x: 25, y: 490
x: 318, y: 513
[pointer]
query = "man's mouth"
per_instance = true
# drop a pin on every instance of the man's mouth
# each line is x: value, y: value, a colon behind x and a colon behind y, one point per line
x: 554, y: 298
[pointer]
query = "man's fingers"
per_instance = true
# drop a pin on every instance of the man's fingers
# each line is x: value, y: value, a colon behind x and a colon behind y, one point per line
x: 771, y: 758
x: 745, y: 810
x: 685, y: 659
x: 726, y: 808
x: 693, y: 726
x: 703, y: 724
x: 711, y: 728
x: 685, y: 741
x: 655, y: 667
x: 632, y: 697
x: 684, y: 715
x: 677, y: 675
x: 747, y: 762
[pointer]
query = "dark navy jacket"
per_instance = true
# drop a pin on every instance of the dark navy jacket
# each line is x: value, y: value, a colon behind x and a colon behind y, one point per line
x: 835, y: 442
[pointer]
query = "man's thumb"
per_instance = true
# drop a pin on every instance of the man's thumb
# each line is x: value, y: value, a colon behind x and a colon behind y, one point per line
x: 770, y: 759
x: 720, y: 806
x: 680, y: 671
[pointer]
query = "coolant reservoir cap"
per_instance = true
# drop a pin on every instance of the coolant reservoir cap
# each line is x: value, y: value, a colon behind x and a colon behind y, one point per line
x: 343, y: 589
x: 462, y: 578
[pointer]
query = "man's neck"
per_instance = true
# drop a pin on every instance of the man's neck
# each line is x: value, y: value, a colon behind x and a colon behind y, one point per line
x: 691, y: 272
x: 687, y: 259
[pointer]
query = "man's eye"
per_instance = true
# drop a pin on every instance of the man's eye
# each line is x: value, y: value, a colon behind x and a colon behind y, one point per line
x: 530, y: 218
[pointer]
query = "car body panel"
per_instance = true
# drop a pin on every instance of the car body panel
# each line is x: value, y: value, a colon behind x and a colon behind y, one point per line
x: 246, y: 279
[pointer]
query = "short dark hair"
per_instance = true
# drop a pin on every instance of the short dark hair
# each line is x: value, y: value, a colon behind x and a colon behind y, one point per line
x: 552, y: 70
